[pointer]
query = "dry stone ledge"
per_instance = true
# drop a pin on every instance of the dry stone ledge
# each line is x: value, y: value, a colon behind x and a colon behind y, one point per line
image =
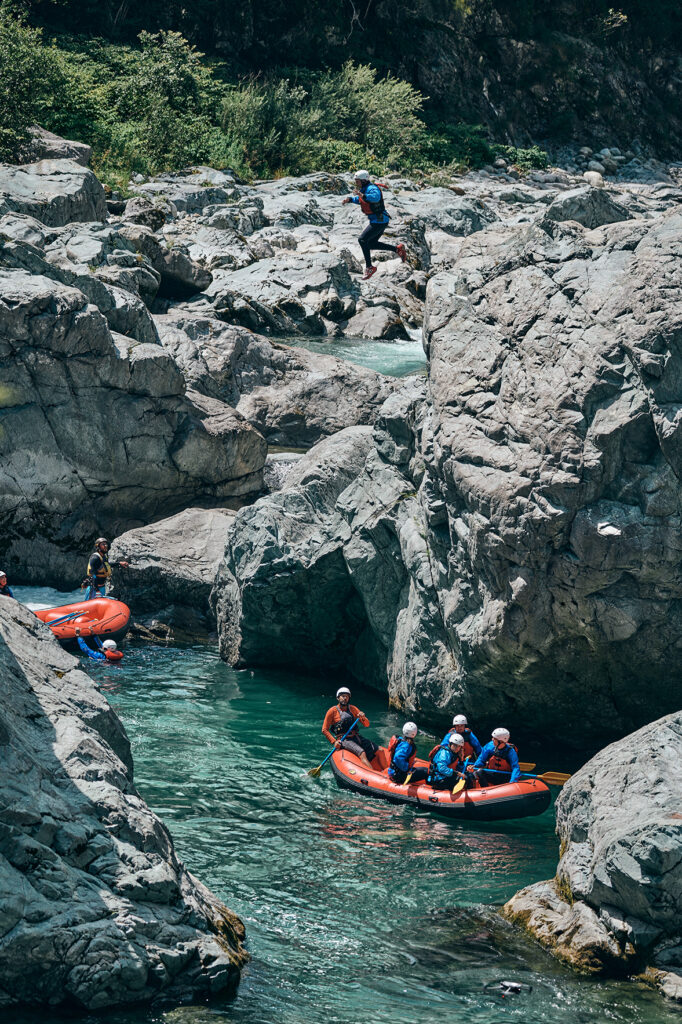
x: 55, y: 192
x: 616, y: 903
x: 45, y: 145
x: 98, y: 435
x: 96, y: 908
x: 173, y: 564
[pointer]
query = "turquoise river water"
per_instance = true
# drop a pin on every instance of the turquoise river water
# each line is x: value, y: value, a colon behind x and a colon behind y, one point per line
x: 396, y: 358
x: 356, y: 911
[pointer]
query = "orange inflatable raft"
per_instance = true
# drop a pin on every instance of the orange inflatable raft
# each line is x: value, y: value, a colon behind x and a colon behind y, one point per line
x: 493, y: 803
x: 100, y: 617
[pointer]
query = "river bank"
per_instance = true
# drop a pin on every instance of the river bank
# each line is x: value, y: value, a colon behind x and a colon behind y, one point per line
x: 353, y: 909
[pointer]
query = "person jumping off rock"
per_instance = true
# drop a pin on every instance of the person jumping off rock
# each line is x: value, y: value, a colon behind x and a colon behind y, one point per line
x: 371, y: 201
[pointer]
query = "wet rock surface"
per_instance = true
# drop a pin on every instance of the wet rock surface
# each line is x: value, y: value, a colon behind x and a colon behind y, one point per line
x: 97, y: 910
x: 616, y: 902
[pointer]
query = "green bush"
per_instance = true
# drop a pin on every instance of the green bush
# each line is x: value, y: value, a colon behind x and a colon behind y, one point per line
x: 26, y: 81
x: 526, y: 159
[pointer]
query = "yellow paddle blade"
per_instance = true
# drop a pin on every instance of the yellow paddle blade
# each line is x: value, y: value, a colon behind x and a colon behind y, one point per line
x: 314, y: 772
x: 527, y: 766
x: 458, y: 787
x: 554, y: 778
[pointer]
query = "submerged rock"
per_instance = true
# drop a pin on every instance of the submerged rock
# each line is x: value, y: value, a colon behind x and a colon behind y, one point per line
x: 616, y: 902
x: 96, y: 908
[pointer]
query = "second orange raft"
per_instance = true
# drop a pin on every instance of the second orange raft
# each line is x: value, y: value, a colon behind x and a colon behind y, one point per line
x: 525, y: 798
x: 101, y: 616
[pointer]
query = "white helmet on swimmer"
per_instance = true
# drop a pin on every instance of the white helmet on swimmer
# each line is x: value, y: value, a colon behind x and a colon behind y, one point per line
x: 342, y: 689
x: 362, y: 175
x: 410, y: 729
x: 501, y: 734
x: 109, y: 645
x: 460, y: 720
x: 455, y: 739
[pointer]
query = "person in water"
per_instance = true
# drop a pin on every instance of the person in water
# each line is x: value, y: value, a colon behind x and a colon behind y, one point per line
x: 104, y: 647
x: 472, y: 747
x: 337, y: 722
x: 498, y: 762
x: 403, y: 753
x: 99, y: 570
x: 370, y: 199
x: 447, y: 764
x: 5, y: 590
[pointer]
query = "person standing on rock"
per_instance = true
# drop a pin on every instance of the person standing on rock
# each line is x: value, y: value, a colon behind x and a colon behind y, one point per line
x: 370, y: 199
x: 498, y: 762
x: 99, y: 570
x: 472, y: 747
x: 5, y: 590
x: 338, y: 720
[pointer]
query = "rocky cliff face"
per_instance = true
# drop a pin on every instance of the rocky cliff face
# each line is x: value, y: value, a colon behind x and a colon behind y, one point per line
x: 513, y: 535
x: 616, y: 903
x: 96, y: 909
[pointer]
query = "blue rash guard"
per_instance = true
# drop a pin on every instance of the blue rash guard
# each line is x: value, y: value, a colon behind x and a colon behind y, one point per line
x: 401, y: 757
x: 373, y: 195
x: 95, y: 655
x: 6, y: 591
x: 470, y: 737
x: 507, y: 752
x: 445, y: 765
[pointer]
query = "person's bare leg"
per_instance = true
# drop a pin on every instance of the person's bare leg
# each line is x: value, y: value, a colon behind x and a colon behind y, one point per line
x: 363, y: 758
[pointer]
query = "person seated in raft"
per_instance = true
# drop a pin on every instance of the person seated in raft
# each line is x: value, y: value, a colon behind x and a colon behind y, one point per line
x: 339, y: 718
x: 447, y: 764
x: 498, y: 762
x: 472, y: 747
x: 5, y: 590
x: 403, y: 753
x: 106, y: 647
x: 99, y: 570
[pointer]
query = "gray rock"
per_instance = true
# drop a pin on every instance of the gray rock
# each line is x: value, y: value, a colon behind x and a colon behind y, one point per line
x: 173, y: 563
x: 594, y: 179
x: 590, y: 207
x: 596, y: 165
x: 288, y: 294
x: 293, y: 397
x: 616, y: 902
x: 44, y: 145
x: 97, y: 910
x: 53, y: 191
x: 282, y: 595
x: 98, y: 435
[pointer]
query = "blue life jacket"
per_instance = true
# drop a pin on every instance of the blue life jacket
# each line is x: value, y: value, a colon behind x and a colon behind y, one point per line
x: 472, y: 747
x: 444, y: 765
x: 402, y: 752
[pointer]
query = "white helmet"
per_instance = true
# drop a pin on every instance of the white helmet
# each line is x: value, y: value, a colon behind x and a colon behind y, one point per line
x: 342, y: 689
x: 455, y: 738
x: 2, y: 573
x: 109, y: 645
x: 501, y: 734
x: 460, y: 720
x: 410, y: 729
x: 362, y: 175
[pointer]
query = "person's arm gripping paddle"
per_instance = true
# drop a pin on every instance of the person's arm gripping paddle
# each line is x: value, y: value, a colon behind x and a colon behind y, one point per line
x: 314, y: 772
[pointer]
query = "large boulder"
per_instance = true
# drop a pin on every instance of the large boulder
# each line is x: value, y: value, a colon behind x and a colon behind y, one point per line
x: 98, y: 434
x: 616, y: 902
x: 53, y: 191
x: 591, y: 207
x: 530, y: 498
x: 96, y: 910
x: 44, y: 145
x: 287, y: 294
x: 282, y: 595
x: 173, y: 564
x: 293, y: 397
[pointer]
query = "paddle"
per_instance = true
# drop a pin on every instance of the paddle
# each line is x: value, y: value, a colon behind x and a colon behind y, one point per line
x: 551, y: 778
x: 527, y: 766
x: 64, y: 618
x: 314, y: 772
x: 458, y: 787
